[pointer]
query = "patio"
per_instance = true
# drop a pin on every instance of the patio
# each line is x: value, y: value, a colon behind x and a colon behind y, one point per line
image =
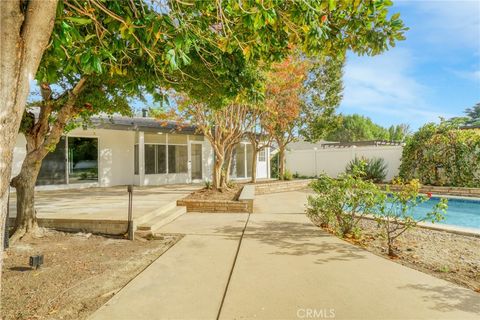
x: 103, y: 210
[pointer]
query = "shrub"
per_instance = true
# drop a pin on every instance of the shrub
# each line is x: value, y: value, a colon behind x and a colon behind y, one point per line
x: 341, y: 203
x: 208, y: 184
x: 287, y: 175
x: 394, y: 215
x: 374, y: 169
x: 443, y: 155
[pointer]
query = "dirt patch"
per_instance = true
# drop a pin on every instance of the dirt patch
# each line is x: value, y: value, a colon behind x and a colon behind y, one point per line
x: 80, y: 273
x: 445, y: 255
x: 209, y: 194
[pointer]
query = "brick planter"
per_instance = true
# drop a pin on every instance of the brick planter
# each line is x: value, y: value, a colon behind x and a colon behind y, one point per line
x: 197, y: 205
x: 244, y: 203
x: 281, y: 186
x: 452, y: 191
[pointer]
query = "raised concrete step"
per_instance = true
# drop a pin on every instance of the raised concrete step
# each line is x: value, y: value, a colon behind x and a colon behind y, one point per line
x: 154, y: 213
x: 161, y: 219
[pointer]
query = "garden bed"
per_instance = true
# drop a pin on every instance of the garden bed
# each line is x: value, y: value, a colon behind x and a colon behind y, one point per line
x: 80, y: 273
x: 445, y: 255
x: 207, y: 200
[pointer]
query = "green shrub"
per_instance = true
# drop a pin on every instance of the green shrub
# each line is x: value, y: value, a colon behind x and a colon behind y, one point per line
x: 341, y: 203
x: 374, y: 169
x: 394, y: 214
x: 441, y: 154
x: 287, y: 175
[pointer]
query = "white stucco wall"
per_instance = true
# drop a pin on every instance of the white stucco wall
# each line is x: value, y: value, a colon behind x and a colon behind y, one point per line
x: 116, y: 161
x: 333, y: 161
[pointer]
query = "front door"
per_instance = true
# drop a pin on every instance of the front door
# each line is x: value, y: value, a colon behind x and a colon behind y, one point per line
x: 196, y: 161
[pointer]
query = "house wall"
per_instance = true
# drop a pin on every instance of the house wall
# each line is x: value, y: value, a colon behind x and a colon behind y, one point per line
x: 116, y: 161
x: 333, y: 161
x: 115, y: 157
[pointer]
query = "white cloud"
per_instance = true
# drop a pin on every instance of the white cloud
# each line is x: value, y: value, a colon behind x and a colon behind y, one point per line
x: 454, y: 22
x: 385, y: 85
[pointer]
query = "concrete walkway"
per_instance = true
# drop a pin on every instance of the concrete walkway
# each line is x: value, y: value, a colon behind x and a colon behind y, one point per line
x: 279, y: 266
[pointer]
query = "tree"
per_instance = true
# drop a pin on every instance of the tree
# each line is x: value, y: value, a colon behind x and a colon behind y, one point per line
x: 283, y: 103
x: 75, y: 102
x: 322, y: 95
x: 356, y: 127
x: 25, y: 28
x: 223, y: 128
x: 474, y: 114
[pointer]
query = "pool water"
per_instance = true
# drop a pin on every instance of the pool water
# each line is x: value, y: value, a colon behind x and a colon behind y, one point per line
x: 460, y: 212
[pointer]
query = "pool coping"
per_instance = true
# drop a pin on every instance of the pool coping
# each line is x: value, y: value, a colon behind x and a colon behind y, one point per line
x: 464, y: 231
x: 435, y: 195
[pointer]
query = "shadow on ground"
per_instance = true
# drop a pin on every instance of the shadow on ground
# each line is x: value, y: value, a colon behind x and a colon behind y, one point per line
x: 448, y: 298
x: 298, y: 239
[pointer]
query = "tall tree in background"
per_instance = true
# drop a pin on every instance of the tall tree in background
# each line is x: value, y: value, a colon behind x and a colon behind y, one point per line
x: 283, y: 102
x: 474, y: 114
x: 322, y: 95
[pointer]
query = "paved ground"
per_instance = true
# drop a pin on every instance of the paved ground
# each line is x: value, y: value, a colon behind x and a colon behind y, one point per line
x: 103, y: 203
x: 279, y: 266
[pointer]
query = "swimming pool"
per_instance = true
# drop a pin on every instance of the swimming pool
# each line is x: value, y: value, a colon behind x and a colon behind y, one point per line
x: 460, y: 212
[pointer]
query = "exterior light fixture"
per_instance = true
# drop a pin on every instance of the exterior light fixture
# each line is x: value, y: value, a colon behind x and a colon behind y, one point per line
x: 36, y: 261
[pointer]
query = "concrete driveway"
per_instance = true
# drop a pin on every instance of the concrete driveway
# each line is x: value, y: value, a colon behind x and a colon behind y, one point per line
x: 279, y: 266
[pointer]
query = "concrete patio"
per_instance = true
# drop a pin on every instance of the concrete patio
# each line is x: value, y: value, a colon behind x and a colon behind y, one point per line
x: 279, y: 266
x: 103, y: 210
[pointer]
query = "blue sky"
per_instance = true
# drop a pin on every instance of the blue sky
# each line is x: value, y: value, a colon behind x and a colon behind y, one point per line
x: 434, y: 72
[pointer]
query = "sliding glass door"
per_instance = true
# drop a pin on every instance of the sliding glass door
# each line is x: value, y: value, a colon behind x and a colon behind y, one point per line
x: 82, y: 160
x: 196, y: 161
x: 74, y: 160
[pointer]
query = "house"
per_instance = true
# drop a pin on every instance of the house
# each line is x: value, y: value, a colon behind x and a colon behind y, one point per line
x: 135, y: 150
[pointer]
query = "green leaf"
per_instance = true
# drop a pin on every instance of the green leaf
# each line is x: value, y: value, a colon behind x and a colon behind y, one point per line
x: 80, y: 21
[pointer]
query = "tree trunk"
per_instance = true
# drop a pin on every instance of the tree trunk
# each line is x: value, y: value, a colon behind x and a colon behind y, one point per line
x: 25, y: 28
x: 254, y: 165
x: 281, y: 162
x: 227, y: 165
x: 217, y: 173
x: 24, y: 183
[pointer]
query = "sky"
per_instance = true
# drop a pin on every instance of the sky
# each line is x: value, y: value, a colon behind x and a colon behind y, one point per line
x: 434, y: 73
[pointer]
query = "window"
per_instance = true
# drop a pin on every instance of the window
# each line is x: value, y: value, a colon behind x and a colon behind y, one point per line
x: 155, y: 159
x: 73, y: 156
x: 262, y: 155
x: 177, y: 159
x: 82, y: 160
x: 249, y: 159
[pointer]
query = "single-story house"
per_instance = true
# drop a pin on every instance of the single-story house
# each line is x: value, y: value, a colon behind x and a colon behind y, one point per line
x: 135, y: 150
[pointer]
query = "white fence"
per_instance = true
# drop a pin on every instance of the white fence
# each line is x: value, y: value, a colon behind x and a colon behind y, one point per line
x: 333, y: 161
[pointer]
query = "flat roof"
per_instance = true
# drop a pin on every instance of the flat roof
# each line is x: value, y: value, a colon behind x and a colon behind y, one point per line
x: 141, y: 124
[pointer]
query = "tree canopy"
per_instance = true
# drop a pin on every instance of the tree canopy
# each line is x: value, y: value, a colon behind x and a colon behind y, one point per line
x: 356, y: 127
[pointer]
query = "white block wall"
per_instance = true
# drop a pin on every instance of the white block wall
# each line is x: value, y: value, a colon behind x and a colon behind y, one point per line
x: 333, y: 161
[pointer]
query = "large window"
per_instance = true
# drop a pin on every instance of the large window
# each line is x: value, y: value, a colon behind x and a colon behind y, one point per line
x: 74, y: 160
x: 156, y: 159
x: 54, y: 166
x: 177, y: 159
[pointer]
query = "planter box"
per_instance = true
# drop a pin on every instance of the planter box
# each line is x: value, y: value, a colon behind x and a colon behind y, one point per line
x: 244, y: 203
x: 281, y: 186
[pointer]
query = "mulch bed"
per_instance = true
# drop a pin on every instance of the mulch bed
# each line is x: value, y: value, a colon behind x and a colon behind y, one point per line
x: 449, y: 256
x: 231, y: 193
x: 80, y: 273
